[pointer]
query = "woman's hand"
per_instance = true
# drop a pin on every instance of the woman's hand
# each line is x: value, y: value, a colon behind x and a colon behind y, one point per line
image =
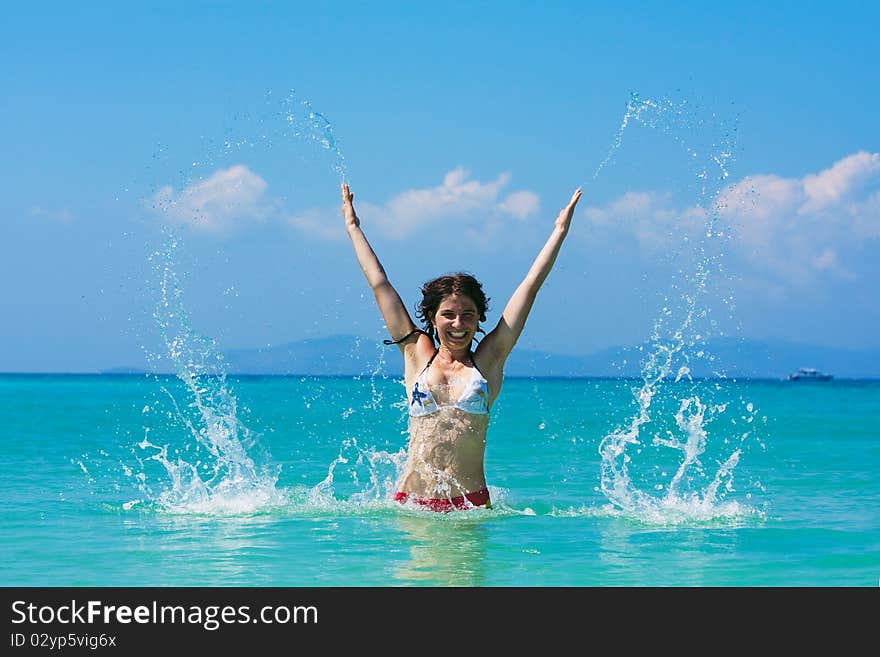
x: 564, y: 218
x: 351, y: 219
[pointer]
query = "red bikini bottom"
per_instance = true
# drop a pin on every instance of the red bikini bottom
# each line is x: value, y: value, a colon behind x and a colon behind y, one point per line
x: 445, y: 505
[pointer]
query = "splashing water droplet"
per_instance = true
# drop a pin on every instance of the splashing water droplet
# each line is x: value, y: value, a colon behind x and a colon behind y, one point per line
x: 228, y: 480
x: 668, y: 397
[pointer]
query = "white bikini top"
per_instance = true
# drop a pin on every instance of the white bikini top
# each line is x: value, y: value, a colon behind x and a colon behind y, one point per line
x: 474, y: 399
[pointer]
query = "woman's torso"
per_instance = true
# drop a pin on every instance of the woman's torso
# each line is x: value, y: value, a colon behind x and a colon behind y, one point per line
x: 448, y: 421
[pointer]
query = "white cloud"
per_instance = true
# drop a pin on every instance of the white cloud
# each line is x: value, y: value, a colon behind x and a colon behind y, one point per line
x: 319, y: 224
x: 761, y: 196
x: 219, y: 203
x: 801, y: 227
x: 468, y: 203
x: 829, y: 187
x: 472, y: 207
x: 866, y: 217
x: 795, y: 228
x: 233, y: 197
x: 455, y: 197
x: 520, y: 204
x: 647, y: 216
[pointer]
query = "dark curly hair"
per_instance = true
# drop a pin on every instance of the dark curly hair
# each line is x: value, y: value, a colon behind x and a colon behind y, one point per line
x: 437, y: 289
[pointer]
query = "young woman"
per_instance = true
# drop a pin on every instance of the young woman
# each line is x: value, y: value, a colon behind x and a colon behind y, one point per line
x: 451, y: 387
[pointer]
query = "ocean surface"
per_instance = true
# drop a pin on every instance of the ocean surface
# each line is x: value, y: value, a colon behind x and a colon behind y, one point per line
x: 143, y: 480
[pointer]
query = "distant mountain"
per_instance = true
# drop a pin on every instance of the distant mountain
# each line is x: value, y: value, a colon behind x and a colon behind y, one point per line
x: 352, y: 355
x: 125, y: 369
x: 333, y: 355
x: 777, y: 359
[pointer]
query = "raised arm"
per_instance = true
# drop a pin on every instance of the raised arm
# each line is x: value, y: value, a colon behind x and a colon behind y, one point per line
x: 499, y: 343
x: 397, y: 319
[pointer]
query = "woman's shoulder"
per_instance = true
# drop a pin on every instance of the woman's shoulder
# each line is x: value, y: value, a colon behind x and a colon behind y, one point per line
x: 418, y: 350
x: 488, y: 357
x: 490, y: 348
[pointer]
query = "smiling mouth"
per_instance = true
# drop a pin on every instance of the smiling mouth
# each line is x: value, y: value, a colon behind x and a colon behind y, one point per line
x: 457, y: 335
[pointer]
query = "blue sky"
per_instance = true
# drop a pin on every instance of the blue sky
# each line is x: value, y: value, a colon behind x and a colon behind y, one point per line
x: 462, y: 129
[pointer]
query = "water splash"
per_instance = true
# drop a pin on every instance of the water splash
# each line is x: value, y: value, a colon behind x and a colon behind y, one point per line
x: 363, y: 479
x: 657, y: 467
x: 205, y: 458
x: 359, y: 476
x: 306, y: 123
x: 196, y: 434
x: 632, y: 109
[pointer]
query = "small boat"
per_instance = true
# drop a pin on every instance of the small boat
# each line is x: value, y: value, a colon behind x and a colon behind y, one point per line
x: 809, y: 374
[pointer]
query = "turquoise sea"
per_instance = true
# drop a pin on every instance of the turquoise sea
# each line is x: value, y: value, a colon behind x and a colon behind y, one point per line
x: 145, y: 480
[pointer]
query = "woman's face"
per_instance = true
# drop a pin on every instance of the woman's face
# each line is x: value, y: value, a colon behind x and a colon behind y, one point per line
x: 456, y: 321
